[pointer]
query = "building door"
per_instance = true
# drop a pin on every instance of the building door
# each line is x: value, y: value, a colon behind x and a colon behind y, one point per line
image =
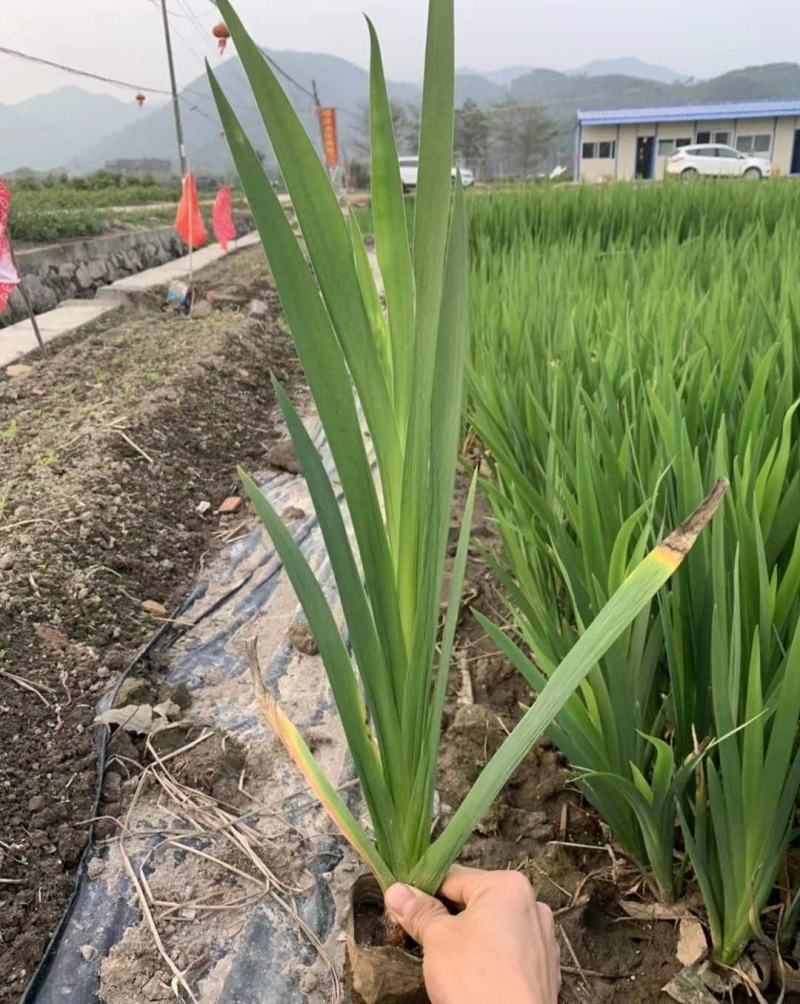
x: 795, y: 168
x: 645, y: 146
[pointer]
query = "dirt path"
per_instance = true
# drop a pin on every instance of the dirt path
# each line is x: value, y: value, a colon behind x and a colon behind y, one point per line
x: 115, y: 454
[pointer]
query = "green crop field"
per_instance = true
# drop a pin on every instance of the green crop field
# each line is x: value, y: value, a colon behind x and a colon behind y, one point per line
x: 65, y: 209
x: 631, y: 345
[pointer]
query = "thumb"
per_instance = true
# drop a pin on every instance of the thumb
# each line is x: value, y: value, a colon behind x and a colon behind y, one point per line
x: 415, y: 911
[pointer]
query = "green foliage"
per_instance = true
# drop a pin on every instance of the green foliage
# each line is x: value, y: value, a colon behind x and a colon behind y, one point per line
x: 404, y: 368
x: 82, y: 207
x: 59, y: 208
x: 631, y: 345
x: 42, y: 226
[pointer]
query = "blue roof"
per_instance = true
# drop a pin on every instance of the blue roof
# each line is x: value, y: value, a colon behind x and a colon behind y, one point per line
x: 691, y: 113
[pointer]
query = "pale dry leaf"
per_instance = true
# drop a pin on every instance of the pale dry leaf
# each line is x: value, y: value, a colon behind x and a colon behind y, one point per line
x: 653, y: 911
x: 131, y: 718
x: 692, y: 944
x: 167, y: 709
x: 689, y: 987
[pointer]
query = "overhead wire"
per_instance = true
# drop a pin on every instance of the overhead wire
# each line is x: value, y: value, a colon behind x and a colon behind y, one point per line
x: 16, y: 53
x: 128, y: 85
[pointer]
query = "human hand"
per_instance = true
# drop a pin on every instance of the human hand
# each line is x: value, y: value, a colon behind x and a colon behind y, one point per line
x: 500, y: 947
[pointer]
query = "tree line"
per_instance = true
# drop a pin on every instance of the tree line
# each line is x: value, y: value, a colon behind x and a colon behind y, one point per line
x: 511, y: 139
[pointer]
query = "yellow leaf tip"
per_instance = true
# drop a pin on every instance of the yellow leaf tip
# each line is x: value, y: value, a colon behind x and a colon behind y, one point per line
x: 678, y: 544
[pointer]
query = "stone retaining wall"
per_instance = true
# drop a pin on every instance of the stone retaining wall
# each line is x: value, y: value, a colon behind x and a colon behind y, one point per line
x: 76, y: 270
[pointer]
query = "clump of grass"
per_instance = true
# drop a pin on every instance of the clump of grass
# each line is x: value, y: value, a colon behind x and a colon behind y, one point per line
x: 630, y: 346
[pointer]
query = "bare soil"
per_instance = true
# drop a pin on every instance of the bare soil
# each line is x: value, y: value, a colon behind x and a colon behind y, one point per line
x: 115, y: 454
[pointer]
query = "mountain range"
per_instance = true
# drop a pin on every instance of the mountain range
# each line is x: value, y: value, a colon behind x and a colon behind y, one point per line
x: 41, y: 133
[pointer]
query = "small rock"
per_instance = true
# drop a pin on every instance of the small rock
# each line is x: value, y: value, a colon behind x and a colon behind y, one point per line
x: 154, y: 608
x: 258, y: 308
x: 103, y: 672
x: 37, y: 803
x: 308, y: 982
x: 231, y: 504
x: 283, y: 456
x: 202, y: 508
x: 134, y: 690
x: 167, y: 709
x: 38, y: 391
x: 179, y: 694
x: 70, y: 846
x: 18, y: 370
x: 82, y: 277
x: 303, y: 640
x: 7, y: 561
x: 88, y: 952
x: 95, y: 868
x: 112, y: 786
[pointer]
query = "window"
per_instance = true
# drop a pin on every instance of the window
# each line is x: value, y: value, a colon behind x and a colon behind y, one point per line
x: 723, y: 151
x: 704, y: 137
x: 605, y: 150
x: 722, y: 137
x: 759, y: 143
x: 666, y: 147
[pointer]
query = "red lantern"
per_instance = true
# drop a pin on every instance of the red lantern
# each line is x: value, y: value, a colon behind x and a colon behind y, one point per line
x: 221, y: 33
x: 140, y: 99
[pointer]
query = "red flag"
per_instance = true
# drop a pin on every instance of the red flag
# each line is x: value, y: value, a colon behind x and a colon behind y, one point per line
x: 222, y: 216
x: 189, y: 221
x: 330, y: 136
x: 9, y: 279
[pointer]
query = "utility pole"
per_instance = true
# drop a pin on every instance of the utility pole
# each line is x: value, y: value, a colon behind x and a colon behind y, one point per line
x: 317, y: 110
x: 175, y: 104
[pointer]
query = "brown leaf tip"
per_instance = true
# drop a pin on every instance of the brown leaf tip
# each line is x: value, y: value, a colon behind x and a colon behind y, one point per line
x: 683, y: 539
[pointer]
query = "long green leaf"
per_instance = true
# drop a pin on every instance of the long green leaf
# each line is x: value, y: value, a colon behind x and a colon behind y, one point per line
x: 634, y: 594
x: 327, y: 376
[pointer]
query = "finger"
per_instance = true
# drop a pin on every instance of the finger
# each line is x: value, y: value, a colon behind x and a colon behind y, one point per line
x: 463, y: 884
x: 547, y: 921
x: 416, y: 912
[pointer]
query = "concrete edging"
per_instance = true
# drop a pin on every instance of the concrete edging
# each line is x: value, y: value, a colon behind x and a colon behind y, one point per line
x: 18, y: 339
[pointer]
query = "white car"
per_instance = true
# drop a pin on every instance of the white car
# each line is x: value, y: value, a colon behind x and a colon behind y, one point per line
x: 409, y: 169
x: 718, y: 161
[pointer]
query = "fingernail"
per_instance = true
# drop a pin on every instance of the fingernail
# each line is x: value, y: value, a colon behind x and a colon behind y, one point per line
x: 398, y: 899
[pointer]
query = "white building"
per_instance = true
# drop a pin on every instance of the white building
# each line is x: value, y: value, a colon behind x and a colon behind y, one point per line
x: 627, y: 143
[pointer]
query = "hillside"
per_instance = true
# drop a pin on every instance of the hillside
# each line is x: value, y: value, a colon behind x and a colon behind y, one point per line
x: 40, y: 133
x: 340, y: 84
x: 629, y: 66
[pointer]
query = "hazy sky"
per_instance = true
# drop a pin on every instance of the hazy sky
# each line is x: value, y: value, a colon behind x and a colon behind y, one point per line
x: 122, y: 38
